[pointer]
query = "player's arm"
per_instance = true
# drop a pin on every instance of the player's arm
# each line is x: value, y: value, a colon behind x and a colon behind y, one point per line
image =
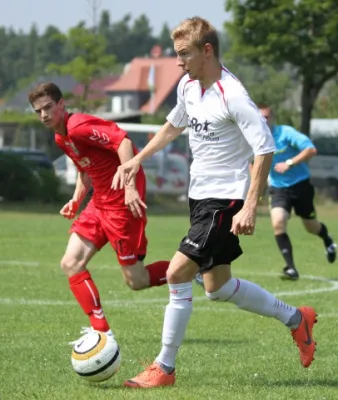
x: 132, y: 197
x: 300, y: 142
x: 127, y: 171
x: 303, y: 143
x: 257, y: 133
x: 83, y: 184
x: 177, y: 120
x: 126, y: 153
x: 163, y: 137
x: 259, y: 176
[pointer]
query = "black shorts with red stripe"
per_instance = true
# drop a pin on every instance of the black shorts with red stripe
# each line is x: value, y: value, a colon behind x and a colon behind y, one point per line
x: 209, y: 241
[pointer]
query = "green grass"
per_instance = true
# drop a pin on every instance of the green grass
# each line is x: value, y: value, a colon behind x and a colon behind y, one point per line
x: 226, y: 354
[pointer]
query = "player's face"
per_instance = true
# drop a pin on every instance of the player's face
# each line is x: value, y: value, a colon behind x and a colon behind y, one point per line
x: 50, y: 112
x: 190, y: 58
x: 267, y: 114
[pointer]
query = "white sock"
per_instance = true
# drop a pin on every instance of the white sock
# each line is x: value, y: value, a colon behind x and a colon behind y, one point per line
x: 176, y: 318
x: 251, y: 297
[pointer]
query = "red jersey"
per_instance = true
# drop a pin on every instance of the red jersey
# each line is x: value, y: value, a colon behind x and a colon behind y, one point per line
x: 92, y: 144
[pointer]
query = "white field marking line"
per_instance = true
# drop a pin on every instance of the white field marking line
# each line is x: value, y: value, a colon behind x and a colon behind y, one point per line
x: 334, y: 284
x: 20, y: 263
x: 54, y: 303
x: 154, y: 301
x: 107, y: 266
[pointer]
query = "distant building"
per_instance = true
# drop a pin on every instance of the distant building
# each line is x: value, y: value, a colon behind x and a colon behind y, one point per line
x: 146, y: 85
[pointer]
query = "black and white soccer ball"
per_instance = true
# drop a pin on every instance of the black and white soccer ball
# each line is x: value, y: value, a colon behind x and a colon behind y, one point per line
x: 96, y: 356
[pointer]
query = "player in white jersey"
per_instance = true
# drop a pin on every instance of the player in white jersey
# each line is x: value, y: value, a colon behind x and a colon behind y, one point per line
x: 225, y: 131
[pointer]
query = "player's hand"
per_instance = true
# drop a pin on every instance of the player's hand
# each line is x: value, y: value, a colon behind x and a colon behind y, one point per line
x: 125, y: 173
x: 281, y: 167
x: 243, y: 223
x: 134, y: 202
x: 69, y: 210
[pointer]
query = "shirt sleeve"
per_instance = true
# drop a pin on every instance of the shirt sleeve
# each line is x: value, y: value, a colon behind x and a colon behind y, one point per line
x: 101, y: 134
x: 80, y: 169
x: 178, y: 116
x: 298, y: 140
x: 247, y: 116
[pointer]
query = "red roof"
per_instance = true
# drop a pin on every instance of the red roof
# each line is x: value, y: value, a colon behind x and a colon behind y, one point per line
x: 97, y: 89
x: 167, y: 75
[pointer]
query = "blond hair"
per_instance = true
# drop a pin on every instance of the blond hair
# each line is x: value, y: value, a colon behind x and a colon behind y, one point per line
x: 199, y: 31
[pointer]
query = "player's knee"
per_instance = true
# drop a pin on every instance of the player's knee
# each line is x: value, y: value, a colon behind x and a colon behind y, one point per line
x: 136, y: 277
x: 71, y: 265
x: 174, y: 276
x: 212, y: 296
x: 178, y: 275
x: 136, y: 284
x: 224, y: 293
x: 278, y: 225
x: 312, y: 226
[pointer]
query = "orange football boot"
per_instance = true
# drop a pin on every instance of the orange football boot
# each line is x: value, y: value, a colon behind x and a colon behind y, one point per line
x: 303, y: 336
x: 151, y: 377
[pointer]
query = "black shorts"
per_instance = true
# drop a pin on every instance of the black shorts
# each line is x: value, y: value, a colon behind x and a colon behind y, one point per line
x: 209, y: 241
x: 299, y: 197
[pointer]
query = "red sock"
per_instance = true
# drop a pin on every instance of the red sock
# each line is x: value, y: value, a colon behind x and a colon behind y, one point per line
x: 87, y: 295
x: 157, y: 273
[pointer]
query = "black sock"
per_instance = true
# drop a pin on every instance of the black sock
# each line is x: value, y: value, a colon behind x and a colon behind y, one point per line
x: 285, y: 247
x: 323, y: 233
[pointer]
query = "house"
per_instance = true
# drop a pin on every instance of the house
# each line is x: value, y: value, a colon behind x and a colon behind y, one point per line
x: 97, y: 91
x: 147, y: 84
x: 19, y: 102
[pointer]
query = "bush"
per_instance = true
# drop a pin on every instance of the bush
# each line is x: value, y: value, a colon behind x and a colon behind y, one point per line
x: 17, y: 180
x: 49, y: 186
x: 20, y: 181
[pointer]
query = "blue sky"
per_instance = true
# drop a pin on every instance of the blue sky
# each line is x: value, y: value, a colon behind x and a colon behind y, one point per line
x: 66, y: 13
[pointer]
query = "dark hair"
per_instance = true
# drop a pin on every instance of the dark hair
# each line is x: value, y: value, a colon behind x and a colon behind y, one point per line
x: 263, y: 106
x: 45, y: 89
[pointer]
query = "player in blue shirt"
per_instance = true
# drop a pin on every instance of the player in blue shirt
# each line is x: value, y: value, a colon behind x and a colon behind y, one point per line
x: 290, y: 188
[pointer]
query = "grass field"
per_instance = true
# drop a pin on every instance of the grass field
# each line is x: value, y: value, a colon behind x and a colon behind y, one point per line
x: 227, y: 354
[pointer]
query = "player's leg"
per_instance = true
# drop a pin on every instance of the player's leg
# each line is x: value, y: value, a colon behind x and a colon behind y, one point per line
x: 177, y: 315
x: 280, y: 211
x: 139, y: 276
x: 182, y: 269
x: 305, y: 208
x: 319, y: 228
x: 85, y: 240
x: 127, y: 236
x: 221, y: 286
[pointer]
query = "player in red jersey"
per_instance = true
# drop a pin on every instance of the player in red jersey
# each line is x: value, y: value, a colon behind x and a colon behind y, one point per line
x: 97, y: 147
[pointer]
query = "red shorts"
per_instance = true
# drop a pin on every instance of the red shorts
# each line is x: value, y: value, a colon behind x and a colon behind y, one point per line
x: 125, y: 233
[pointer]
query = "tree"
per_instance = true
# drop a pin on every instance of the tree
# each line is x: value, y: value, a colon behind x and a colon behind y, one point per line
x: 104, y: 24
x: 300, y: 33
x: 327, y: 103
x: 91, y: 62
x: 50, y: 48
x: 164, y: 39
x: 266, y: 85
x: 141, y: 34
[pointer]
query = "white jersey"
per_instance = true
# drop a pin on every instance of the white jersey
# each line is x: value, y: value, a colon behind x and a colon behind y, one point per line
x: 226, y: 130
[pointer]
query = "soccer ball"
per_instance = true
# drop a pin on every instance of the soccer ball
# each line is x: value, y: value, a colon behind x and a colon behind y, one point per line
x: 96, y: 356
